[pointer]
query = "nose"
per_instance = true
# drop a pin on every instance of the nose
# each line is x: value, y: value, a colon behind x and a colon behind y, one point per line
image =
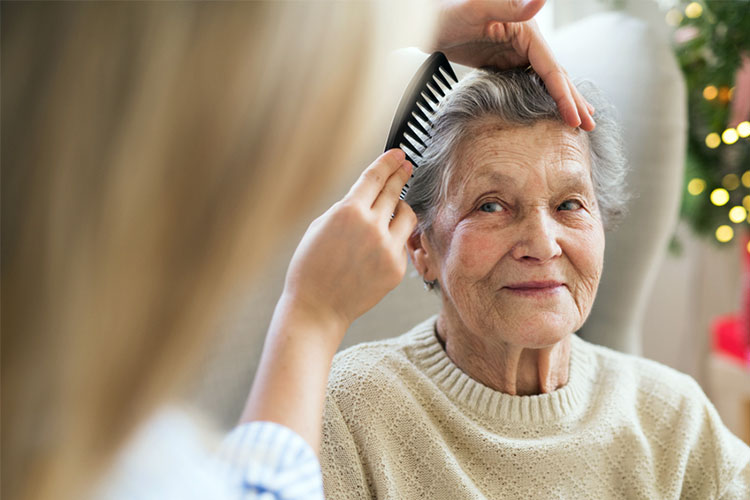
x: 536, y: 238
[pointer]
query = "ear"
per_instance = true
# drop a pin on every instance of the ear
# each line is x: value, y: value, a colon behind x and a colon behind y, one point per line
x: 422, y: 255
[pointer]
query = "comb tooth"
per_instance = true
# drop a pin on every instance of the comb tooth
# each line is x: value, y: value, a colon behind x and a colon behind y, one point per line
x: 436, y: 89
x: 420, y: 113
x: 430, y: 96
x: 427, y: 112
x: 429, y: 106
x: 409, y: 151
x: 439, y: 83
x: 425, y: 124
x: 448, y: 70
x: 414, y: 139
x: 441, y: 78
x: 414, y: 124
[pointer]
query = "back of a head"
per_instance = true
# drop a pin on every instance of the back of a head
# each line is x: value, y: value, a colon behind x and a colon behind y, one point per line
x: 150, y: 152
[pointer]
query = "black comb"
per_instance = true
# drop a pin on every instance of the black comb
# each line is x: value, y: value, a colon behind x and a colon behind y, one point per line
x: 413, y: 121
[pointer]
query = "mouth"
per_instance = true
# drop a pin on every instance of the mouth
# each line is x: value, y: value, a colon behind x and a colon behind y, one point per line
x: 535, y: 288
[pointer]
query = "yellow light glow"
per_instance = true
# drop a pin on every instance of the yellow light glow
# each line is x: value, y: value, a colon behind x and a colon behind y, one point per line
x: 696, y: 186
x: 693, y: 10
x: 713, y: 140
x: 731, y: 182
x: 674, y: 17
x: 746, y: 179
x: 737, y: 214
x: 730, y: 136
x: 725, y: 94
x: 743, y: 129
x: 710, y: 92
x: 746, y: 202
x: 719, y: 197
x: 731, y: 93
x: 724, y: 233
x: 748, y: 247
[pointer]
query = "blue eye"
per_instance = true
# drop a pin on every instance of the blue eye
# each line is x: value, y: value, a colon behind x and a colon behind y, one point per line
x: 568, y: 205
x: 491, y: 207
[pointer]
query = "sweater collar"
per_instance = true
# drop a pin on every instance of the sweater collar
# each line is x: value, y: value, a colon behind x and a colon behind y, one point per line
x: 567, y: 402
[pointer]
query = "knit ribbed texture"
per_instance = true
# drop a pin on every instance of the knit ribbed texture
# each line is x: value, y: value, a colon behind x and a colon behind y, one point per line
x: 403, y: 421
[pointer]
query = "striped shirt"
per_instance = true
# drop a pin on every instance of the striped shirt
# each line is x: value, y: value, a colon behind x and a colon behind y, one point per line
x: 174, y: 457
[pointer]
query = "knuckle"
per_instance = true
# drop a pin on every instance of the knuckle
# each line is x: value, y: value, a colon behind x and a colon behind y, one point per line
x: 373, y: 175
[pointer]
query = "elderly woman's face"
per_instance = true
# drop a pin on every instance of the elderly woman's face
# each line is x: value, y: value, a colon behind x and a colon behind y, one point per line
x: 518, y: 244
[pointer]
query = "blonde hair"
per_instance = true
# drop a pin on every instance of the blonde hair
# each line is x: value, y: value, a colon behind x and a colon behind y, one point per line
x: 152, y: 153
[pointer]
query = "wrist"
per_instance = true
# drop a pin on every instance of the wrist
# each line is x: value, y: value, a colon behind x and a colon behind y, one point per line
x: 307, y: 320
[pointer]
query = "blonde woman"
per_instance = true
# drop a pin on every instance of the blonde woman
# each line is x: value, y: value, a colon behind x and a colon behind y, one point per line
x: 151, y: 153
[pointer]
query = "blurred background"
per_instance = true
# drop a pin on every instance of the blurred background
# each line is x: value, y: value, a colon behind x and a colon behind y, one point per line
x: 676, y: 283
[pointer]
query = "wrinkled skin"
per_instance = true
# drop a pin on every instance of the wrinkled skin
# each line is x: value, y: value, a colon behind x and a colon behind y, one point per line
x: 520, y: 207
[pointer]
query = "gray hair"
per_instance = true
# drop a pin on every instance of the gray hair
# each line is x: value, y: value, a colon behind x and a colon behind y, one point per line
x: 514, y: 97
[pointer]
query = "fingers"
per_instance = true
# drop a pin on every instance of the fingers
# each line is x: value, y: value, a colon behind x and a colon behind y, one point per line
x: 508, y: 10
x: 372, y: 181
x: 574, y: 109
x: 403, y: 223
x: 385, y: 204
x: 585, y: 110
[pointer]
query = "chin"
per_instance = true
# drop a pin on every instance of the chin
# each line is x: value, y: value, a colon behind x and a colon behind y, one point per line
x: 541, y: 330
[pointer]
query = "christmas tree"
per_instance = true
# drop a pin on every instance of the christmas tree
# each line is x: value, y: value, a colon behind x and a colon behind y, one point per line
x: 712, y: 43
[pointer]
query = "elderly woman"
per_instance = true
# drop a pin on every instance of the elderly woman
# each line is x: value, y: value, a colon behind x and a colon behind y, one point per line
x: 496, y: 397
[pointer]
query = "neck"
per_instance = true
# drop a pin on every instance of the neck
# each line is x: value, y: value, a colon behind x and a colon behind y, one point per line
x: 504, y: 366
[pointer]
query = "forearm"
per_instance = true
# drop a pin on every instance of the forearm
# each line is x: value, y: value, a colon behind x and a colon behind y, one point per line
x: 290, y: 384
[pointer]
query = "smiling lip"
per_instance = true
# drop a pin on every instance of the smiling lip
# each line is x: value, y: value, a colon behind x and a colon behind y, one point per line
x: 535, y: 287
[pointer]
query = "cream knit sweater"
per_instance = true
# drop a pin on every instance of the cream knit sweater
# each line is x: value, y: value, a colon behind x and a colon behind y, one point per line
x: 403, y: 422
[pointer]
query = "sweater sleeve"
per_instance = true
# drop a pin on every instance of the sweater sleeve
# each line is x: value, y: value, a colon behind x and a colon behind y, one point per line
x: 269, y: 461
x: 719, y: 462
x: 343, y: 476
x: 739, y: 487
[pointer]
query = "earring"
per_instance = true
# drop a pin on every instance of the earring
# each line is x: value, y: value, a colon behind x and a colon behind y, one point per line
x: 429, y: 285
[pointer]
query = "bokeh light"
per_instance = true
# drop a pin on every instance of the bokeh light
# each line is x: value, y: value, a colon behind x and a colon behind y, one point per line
x: 746, y: 202
x: 725, y: 94
x: 719, y: 197
x: 737, y: 214
x: 743, y: 129
x: 710, y: 92
x: 731, y: 182
x: 713, y: 140
x: 693, y: 10
x: 696, y: 186
x: 724, y: 233
x: 730, y: 136
x: 674, y: 17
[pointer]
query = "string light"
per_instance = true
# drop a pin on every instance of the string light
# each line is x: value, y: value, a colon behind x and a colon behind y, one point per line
x: 713, y: 140
x: 748, y: 247
x: 731, y: 182
x: 724, y: 233
x: 743, y: 129
x: 737, y: 214
x: 693, y: 10
x: 710, y: 92
x: 730, y: 136
x: 719, y: 197
x: 674, y: 17
x: 696, y: 186
x: 746, y: 202
x: 725, y: 94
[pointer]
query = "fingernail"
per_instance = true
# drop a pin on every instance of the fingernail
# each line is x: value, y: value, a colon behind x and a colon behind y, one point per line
x: 407, y: 166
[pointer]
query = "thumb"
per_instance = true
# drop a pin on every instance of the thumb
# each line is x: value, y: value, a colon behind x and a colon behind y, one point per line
x: 507, y: 11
